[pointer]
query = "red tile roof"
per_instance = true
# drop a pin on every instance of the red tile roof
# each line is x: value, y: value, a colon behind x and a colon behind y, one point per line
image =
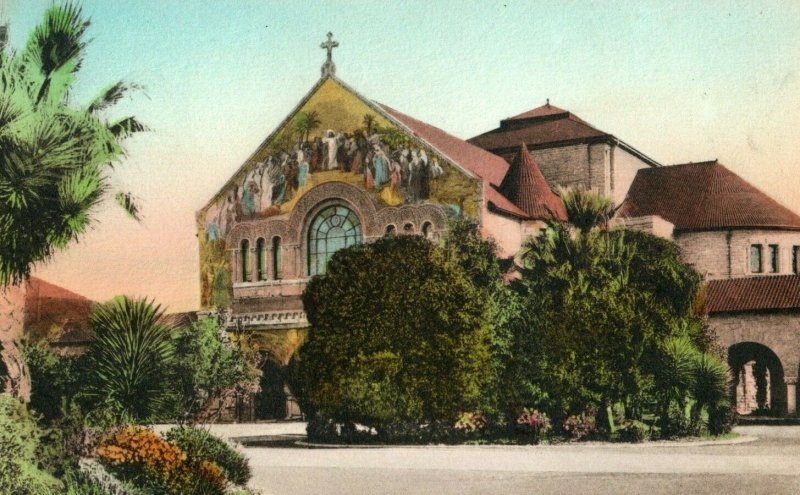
x: 49, y: 307
x: 542, y: 111
x: 495, y: 199
x: 542, y: 125
x: 704, y: 196
x: 478, y: 161
x: 754, y: 293
x: 527, y: 188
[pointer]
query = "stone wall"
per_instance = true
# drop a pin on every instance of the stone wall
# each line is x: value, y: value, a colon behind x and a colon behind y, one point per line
x: 578, y: 165
x: 726, y: 253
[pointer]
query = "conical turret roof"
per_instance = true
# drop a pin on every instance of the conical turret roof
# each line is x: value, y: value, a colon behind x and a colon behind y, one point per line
x: 527, y: 188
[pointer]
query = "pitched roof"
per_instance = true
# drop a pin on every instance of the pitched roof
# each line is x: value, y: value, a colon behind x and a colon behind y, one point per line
x: 527, y: 188
x: 754, y: 293
x: 542, y: 125
x: 49, y: 307
x: 542, y: 111
x: 704, y: 196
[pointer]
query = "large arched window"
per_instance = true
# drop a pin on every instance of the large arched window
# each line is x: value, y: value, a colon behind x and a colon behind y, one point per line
x: 334, y: 228
x: 277, y: 263
x: 261, y: 259
x: 245, y: 257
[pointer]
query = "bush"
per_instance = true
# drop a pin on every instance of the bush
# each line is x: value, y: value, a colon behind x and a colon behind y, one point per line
x: 722, y: 419
x: 55, y: 380
x: 633, y: 431
x: 470, y: 422
x: 581, y: 426
x: 200, y: 445
x: 142, y: 456
x: 533, y: 424
x: 20, y: 473
x: 398, y: 335
x: 206, y: 368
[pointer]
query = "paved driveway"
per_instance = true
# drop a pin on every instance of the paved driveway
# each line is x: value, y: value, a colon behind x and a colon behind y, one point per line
x: 770, y: 464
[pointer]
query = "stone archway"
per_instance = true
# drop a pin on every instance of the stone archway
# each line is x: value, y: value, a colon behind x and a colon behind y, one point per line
x: 758, y: 379
x: 270, y: 402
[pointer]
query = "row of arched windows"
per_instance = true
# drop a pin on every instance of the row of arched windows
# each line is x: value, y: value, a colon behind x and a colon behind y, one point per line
x: 408, y: 228
x: 261, y: 259
x: 334, y: 228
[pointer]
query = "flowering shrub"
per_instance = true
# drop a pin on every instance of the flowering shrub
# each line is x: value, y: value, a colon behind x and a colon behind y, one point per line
x: 470, y: 422
x: 580, y: 426
x: 533, y: 422
x: 200, y: 445
x: 142, y: 456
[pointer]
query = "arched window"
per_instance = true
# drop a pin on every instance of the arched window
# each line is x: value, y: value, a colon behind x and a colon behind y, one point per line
x: 276, y: 258
x: 426, y: 230
x: 261, y: 259
x: 245, y: 257
x: 390, y: 230
x: 334, y: 228
x: 408, y: 228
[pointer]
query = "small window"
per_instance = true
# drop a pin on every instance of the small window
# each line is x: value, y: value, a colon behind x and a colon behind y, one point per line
x: 390, y: 230
x: 773, y: 258
x: 408, y: 228
x: 755, y: 258
x: 261, y: 259
x: 426, y: 230
x: 277, y: 262
x: 795, y: 261
x: 245, y: 254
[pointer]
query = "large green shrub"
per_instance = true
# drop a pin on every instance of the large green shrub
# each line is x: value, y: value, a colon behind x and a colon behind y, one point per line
x: 200, y: 445
x: 20, y: 473
x: 205, y: 368
x: 598, y: 314
x: 55, y: 380
x: 398, y: 334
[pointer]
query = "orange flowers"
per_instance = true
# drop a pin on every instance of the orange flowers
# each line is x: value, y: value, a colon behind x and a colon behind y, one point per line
x: 138, y: 450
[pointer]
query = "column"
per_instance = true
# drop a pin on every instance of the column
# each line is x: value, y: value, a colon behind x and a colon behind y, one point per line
x: 791, y: 396
x: 235, y: 269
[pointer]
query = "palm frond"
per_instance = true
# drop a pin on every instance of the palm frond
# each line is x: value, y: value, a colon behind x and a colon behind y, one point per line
x: 123, y: 128
x: 111, y: 96
x: 129, y: 204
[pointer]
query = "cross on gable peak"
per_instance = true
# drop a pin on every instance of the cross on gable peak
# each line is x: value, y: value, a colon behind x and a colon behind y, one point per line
x: 329, y: 68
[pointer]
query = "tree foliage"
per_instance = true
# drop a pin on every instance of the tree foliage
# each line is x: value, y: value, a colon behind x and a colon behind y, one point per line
x: 206, y: 368
x: 54, y: 156
x: 603, y: 309
x: 398, y: 334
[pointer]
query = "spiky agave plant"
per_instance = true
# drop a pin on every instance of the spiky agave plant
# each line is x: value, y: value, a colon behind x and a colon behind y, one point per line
x: 129, y: 358
x: 710, y: 384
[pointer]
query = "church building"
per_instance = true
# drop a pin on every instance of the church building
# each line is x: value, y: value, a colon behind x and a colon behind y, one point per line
x: 343, y: 169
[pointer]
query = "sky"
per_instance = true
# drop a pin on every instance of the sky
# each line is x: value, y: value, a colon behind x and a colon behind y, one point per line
x: 680, y: 81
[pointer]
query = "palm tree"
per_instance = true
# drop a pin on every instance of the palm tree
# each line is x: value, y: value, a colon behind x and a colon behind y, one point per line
x: 585, y: 209
x: 129, y: 359
x: 710, y: 389
x: 369, y: 123
x: 674, y: 378
x: 305, y: 122
x: 54, y: 158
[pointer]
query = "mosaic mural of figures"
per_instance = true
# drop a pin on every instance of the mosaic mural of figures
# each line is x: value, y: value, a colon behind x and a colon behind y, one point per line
x: 384, y: 162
